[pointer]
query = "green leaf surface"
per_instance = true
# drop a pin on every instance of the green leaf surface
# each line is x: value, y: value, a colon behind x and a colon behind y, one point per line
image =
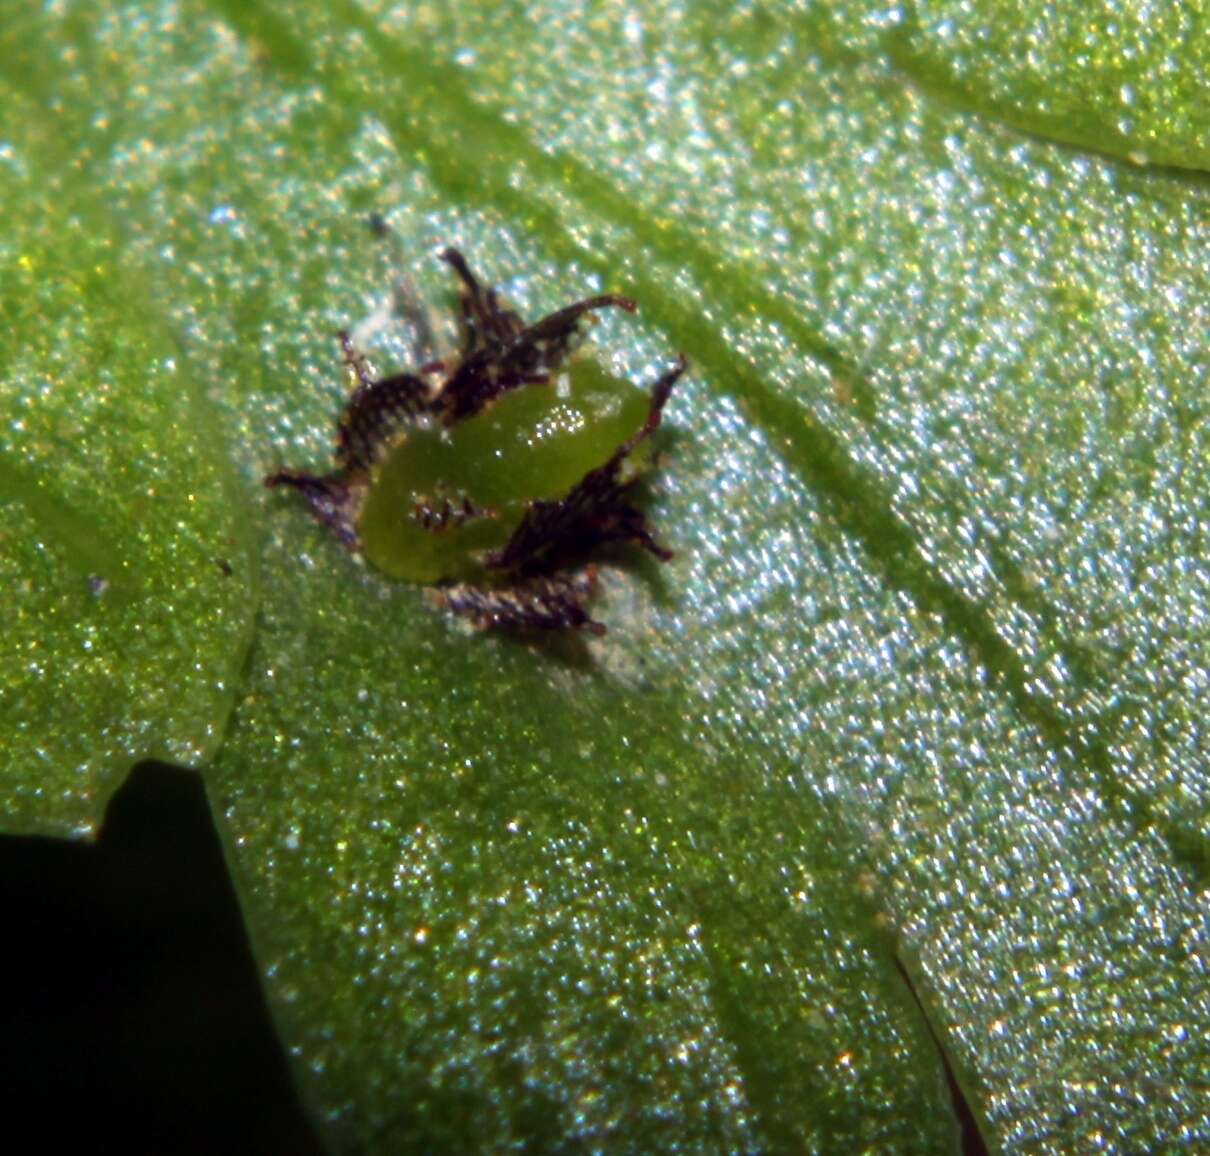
x: 127, y: 562
x: 1128, y: 79
x: 922, y: 693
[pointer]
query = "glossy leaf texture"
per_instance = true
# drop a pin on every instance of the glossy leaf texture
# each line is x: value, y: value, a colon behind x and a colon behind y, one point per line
x: 1132, y: 80
x: 126, y: 552
x: 921, y: 697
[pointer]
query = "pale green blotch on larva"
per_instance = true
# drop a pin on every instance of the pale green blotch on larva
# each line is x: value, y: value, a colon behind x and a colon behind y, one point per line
x: 533, y: 443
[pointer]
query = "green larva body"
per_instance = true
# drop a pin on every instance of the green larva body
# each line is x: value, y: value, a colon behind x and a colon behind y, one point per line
x: 478, y: 476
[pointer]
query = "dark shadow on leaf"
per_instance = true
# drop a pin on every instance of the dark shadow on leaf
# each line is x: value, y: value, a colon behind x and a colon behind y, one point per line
x: 136, y: 1021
